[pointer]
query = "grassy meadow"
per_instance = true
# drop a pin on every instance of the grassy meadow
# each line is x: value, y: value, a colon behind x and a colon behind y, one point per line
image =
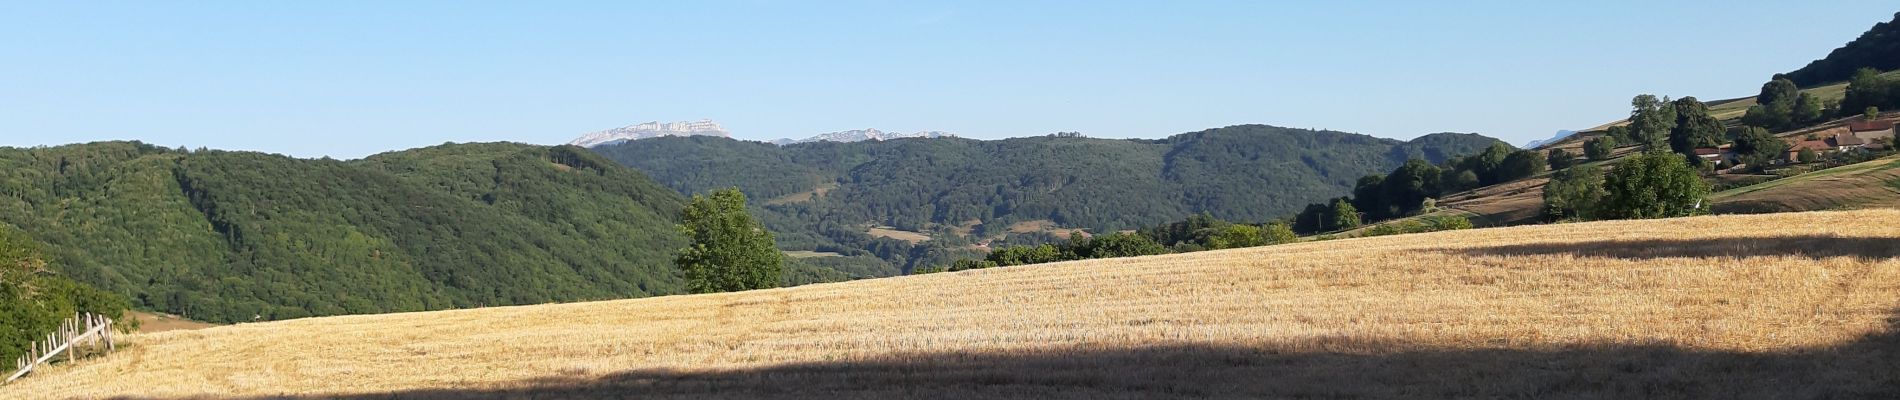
x: 1798, y: 305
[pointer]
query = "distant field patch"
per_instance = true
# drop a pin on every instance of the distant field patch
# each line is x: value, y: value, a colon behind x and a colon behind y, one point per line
x: 155, y: 322
x: 894, y: 233
x: 800, y: 197
x: 811, y: 254
x: 1043, y: 225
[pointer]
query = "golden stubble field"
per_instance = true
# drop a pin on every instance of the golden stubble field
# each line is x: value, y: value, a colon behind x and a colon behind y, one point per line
x: 1765, y: 306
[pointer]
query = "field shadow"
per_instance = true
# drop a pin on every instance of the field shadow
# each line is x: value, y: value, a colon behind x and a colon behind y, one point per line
x: 1865, y: 368
x: 1812, y: 246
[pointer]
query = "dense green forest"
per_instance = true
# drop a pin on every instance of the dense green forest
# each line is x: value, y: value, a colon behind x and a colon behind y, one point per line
x: 232, y: 236
x: 34, y: 298
x: 1878, y: 48
x: 823, y: 195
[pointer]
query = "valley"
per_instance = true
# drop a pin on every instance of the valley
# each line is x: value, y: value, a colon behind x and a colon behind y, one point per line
x: 1777, y: 305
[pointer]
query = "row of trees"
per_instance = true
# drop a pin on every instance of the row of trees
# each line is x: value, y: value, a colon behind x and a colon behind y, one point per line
x: 1409, y: 189
x: 1649, y: 185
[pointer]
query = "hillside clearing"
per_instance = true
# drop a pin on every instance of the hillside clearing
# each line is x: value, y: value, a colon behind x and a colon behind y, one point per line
x: 894, y: 233
x: 1862, y: 185
x: 1746, y: 306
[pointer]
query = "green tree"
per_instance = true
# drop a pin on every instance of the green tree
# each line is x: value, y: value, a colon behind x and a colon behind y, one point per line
x: 1236, y: 236
x: 1652, y: 185
x: 1694, y: 127
x: 1560, y: 159
x: 1651, y: 120
x: 1599, y: 149
x: 1456, y: 180
x: 1866, y: 89
x: 1872, y: 113
x: 1519, y: 165
x: 729, y: 251
x: 1806, y: 155
x: 1808, y: 110
x: 1573, y: 194
x: 1757, y: 148
x: 1406, y: 189
x: 1344, y: 216
x: 1118, y: 244
x: 1278, y: 233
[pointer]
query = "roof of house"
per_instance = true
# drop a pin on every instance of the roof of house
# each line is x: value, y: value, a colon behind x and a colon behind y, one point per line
x: 1809, y: 145
x: 1708, y: 151
x: 1849, y: 140
x: 1875, y: 125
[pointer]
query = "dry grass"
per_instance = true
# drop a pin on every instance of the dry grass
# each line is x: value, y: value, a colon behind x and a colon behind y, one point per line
x: 894, y: 233
x: 155, y: 322
x: 1043, y: 225
x: 1864, y: 185
x: 1764, y: 306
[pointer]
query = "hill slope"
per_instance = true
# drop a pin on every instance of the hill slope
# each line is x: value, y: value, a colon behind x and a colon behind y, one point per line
x: 231, y: 236
x: 1762, y: 306
x: 1878, y: 48
x: 835, y: 196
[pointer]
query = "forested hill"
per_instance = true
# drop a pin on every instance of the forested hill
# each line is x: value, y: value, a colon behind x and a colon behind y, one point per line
x: 1878, y: 48
x: 229, y: 236
x: 1245, y: 173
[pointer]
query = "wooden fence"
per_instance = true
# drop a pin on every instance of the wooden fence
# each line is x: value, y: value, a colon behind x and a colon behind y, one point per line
x: 85, y: 330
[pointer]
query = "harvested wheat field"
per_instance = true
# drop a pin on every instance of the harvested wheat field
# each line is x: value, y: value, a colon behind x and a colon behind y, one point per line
x: 1763, y: 306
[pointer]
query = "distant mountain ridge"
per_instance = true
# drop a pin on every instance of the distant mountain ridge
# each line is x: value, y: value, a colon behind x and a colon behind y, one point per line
x: 1561, y: 135
x: 859, y: 135
x: 704, y: 127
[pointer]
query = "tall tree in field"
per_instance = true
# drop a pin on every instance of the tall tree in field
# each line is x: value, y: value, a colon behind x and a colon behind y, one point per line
x: 1695, y: 128
x: 1344, y: 216
x: 1653, y: 185
x: 1406, y: 189
x: 1651, y: 119
x: 1560, y: 159
x: 1599, y: 149
x: 730, y: 251
x: 1573, y: 194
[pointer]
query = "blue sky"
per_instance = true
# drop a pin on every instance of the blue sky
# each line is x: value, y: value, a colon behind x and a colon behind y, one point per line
x: 352, y: 78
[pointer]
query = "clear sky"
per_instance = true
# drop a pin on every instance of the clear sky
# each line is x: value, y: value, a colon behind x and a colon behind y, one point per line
x: 352, y: 78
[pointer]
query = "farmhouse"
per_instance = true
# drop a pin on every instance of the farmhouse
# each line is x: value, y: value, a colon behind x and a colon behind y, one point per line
x: 1818, y: 146
x: 1719, y: 155
x: 1873, y: 134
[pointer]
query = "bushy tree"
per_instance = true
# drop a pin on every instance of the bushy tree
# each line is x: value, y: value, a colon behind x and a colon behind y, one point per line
x: 1119, y: 244
x: 34, y: 299
x: 1520, y: 165
x: 1278, y: 233
x: 1600, y: 148
x: 1236, y: 236
x: 1025, y: 255
x: 1775, y: 106
x: 1456, y: 180
x: 1573, y: 194
x: 1408, y: 187
x: 1560, y: 159
x: 1369, y: 196
x: 1756, y: 147
x: 1808, y: 110
x: 1651, y: 119
x: 1806, y: 155
x: 1344, y: 216
x: 1867, y: 89
x: 1653, y: 185
x: 1694, y: 127
x: 729, y: 251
